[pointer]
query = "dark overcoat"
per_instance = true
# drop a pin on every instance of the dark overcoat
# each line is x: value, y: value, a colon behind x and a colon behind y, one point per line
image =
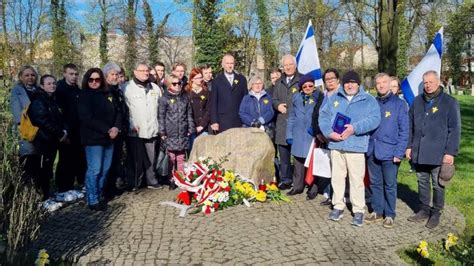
x: 435, y: 129
x: 283, y: 93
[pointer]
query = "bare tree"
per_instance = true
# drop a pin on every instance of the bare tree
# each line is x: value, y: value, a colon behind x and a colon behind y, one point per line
x: 24, y: 23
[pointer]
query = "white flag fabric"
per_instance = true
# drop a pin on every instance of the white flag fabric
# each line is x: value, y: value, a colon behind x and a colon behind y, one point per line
x: 307, y: 58
x: 413, y: 84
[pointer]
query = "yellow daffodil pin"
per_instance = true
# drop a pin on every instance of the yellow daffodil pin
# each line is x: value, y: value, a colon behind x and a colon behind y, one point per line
x: 265, y: 101
x: 172, y: 101
x: 236, y: 81
x: 387, y: 114
x: 109, y: 98
x: 336, y: 103
x: 434, y: 109
x: 311, y: 101
x: 294, y: 90
x: 203, y: 97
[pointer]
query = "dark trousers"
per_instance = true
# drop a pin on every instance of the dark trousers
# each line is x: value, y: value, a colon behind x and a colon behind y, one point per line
x: 71, y: 166
x: 320, y: 183
x: 116, y: 169
x: 141, y: 161
x: 299, y: 174
x: 38, y: 169
x: 383, y: 185
x: 425, y: 174
x: 285, y: 163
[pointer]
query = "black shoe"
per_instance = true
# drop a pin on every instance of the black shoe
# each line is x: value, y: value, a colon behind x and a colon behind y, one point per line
x: 155, y: 186
x: 326, y: 202
x: 98, y: 207
x: 419, y: 217
x: 293, y: 192
x: 311, y: 196
x: 433, y: 221
x: 284, y: 186
x: 173, y: 186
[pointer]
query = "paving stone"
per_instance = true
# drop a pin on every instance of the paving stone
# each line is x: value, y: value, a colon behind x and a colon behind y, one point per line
x: 137, y: 230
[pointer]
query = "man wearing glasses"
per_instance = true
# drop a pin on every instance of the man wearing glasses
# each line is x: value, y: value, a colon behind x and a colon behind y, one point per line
x: 141, y: 97
x: 285, y: 88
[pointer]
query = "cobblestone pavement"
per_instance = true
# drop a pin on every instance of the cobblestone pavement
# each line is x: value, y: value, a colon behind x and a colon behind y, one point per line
x: 137, y: 230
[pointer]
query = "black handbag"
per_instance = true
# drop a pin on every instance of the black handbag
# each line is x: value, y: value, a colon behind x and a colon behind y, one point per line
x: 162, y: 162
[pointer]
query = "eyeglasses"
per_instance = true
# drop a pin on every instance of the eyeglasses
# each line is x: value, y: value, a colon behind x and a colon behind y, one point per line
x: 307, y: 86
x: 176, y: 83
x: 96, y: 80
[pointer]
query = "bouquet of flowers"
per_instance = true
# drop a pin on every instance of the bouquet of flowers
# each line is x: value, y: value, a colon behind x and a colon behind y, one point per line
x: 206, y: 186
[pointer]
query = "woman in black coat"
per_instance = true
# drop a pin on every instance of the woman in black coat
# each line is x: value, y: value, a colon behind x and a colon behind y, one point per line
x: 101, y: 121
x: 45, y: 114
x: 175, y: 121
x: 199, y: 98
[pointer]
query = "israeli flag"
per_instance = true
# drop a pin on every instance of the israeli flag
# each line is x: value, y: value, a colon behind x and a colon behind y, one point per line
x: 307, y: 58
x: 413, y: 84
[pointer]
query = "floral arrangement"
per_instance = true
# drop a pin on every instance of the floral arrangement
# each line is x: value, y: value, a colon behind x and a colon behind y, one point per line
x: 208, y: 187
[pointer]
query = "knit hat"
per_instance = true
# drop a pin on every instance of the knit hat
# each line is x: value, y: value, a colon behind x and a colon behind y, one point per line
x: 446, y: 173
x: 349, y: 76
x: 304, y: 79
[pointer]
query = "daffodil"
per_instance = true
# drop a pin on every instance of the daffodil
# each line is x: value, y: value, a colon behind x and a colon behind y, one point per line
x: 229, y: 176
x: 450, y: 241
x: 43, y: 258
x: 261, y: 196
x: 423, y: 249
x: 272, y: 187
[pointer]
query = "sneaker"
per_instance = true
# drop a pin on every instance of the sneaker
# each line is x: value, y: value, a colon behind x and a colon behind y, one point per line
x: 65, y: 197
x: 388, y: 222
x: 373, y: 218
x: 358, y: 219
x: 78, y: 194
x: 336, y: 215
x: 419, y: 217
x: 51, y: 205
x: 155, y: 186
x: 433, y: 221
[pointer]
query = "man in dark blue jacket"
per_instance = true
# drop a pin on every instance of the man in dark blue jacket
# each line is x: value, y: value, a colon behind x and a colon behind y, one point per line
x: 386, y: 149
x: 228, y: 89
x: 435, y: 132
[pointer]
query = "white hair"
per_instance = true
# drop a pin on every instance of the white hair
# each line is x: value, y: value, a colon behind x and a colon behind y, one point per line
x: 110, y: 67
x: 288, y: 56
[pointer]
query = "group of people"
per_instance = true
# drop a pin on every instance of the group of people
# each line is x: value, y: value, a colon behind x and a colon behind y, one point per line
x: 152, y: 114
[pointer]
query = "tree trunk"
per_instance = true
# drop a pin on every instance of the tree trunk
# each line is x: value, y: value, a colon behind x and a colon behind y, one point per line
x: 388, y: 37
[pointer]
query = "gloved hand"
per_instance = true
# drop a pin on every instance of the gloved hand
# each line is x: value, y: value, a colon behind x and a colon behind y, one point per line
x: 261, y: 120
x: 311, y: 131
x: 289, y: 141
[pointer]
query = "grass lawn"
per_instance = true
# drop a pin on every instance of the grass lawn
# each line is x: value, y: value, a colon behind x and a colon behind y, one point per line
x: 460, y: 192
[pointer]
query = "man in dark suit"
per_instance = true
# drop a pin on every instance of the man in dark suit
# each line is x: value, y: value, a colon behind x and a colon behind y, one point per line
x: 228, y: 89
